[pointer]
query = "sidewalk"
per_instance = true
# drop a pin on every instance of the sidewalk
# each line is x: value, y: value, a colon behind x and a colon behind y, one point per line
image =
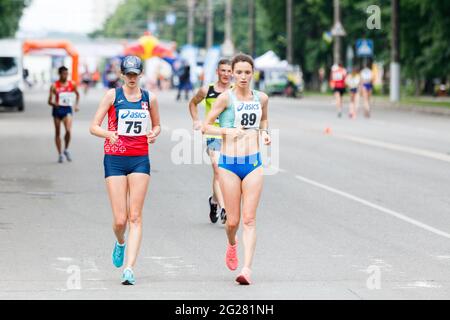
x: 409, y: 104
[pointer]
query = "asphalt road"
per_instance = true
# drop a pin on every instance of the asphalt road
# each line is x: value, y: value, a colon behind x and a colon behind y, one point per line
x: 360, y: 210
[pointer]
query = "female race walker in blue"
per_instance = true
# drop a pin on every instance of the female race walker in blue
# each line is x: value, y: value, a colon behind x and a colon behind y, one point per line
x: 242, y: 115
x: 130, y: 110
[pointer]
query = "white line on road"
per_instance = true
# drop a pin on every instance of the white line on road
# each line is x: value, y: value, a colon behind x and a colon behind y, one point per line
x: 396, y: 147
x: 375, y: 206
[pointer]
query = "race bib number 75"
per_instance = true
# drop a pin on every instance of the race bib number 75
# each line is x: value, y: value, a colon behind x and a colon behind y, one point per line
x: 133, y: 122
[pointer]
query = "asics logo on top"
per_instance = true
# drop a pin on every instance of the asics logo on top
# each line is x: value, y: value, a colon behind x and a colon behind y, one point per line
x: 248, y: 106
x: 211, y: 95
x: 123, y: 116
x: 134, y: 115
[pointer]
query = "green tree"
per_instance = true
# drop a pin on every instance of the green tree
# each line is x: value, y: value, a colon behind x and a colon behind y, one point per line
x: 10, y: 14
x: 424, y: 36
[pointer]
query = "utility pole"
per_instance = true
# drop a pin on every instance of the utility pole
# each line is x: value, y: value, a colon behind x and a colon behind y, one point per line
x: 395, y: 53
x: 191, y: 21
x: 209, y: 25
x: 251, y: 29
x: 337, y: 32
x: 289, y: 49
x: 228, y: 47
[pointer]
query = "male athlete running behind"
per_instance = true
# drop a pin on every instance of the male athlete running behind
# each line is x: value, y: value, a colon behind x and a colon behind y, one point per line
x: 213, y: 142
x: 66, y: 96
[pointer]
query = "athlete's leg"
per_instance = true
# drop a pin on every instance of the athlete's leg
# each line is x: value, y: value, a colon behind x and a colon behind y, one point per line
x: 217, y: 193
x: 251, y: 193
x: 352, y: 104
x: 57, y: 122
x: 338, y: 97
x: 117, y: 190
x: 68, y: 126
x: 366, y: 96
x: 357, y: 97
x: 138, y: 184
x: 230, y: 183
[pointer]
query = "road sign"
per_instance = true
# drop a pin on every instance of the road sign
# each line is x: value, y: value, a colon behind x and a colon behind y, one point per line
x: 364, y: 48
x: 338, y: 30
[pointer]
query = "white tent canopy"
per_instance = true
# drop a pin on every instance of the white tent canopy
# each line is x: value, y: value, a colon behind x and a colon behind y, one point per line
x: 270, y: 60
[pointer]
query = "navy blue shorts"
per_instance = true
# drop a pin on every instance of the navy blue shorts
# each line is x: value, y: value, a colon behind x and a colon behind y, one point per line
x: 213, y: 144
x: 61, y: 112
x: 368, y: 86
x: 125, y: 165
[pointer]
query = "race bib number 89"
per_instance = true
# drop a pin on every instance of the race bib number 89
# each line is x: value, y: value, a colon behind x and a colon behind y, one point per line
x: 133, y: 122
x: 248, y: 115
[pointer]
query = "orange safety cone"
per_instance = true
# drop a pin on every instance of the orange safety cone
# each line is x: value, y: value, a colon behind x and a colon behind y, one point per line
x: 327, y: 130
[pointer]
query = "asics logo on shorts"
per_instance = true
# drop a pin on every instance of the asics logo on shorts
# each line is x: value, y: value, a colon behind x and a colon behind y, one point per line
x: 248, y: 106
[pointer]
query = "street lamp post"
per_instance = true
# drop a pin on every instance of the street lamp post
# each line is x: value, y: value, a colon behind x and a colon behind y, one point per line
x: 251, y: 29
x: 337, y: 32
x: 395, y: 54
x: 228, y: 47
x: 209, y: 25
x: 289, y: 14
x: 191, y: 21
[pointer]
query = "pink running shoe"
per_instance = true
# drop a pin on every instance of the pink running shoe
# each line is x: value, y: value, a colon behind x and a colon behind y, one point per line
x: 231, y: 258
x: 244, y: 277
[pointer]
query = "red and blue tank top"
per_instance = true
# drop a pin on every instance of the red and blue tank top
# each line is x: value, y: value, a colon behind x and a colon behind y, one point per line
x: 127, y: 145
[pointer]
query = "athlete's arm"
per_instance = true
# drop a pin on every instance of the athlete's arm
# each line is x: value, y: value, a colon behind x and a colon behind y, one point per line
x: 154, y: 116
x: 217, y: 108
x: 77, y: 94
x: 50, y: 96
x: 95, y: 128
x: 201, y: 94
x: 264, y: 124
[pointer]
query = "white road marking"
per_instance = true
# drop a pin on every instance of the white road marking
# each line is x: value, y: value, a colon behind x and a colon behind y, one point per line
x: 396, y: 147
x: 376, y: 207
x: 64, y: 259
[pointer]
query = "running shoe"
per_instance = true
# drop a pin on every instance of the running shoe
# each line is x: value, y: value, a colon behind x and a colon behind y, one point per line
x: 244, y: 277
x: 223, y: 216
x: 231, y: 258
x: 213, y: 216
x: 60, y: 158
x: 128, y: 277
x: 118, y: 255
x: 67, y: 154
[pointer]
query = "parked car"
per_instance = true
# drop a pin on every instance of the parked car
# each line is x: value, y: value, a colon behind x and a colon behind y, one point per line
x: 11, y: 74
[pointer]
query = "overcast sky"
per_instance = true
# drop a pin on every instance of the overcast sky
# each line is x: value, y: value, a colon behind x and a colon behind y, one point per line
x: 60, y: 16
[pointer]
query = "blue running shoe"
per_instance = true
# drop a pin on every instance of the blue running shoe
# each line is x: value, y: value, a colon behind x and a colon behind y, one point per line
x: 118, y: 254
x: 128, y: 277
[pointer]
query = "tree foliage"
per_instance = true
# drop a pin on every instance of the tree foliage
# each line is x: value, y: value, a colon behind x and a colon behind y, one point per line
x: 424, y: 29
x: 10, y: 13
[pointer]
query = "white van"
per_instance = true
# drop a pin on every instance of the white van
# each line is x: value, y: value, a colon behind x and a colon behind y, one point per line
x: 11, y: 74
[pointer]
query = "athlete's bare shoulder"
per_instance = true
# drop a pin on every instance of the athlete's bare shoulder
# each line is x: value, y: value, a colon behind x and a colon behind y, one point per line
x: 263, y: 97
x: 110, y: 95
